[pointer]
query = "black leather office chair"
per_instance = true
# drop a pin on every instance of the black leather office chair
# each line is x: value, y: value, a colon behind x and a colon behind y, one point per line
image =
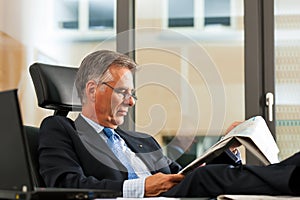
x: 55, y: 90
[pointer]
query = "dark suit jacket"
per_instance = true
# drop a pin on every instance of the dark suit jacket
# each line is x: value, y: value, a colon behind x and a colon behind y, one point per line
x: 72, y: 154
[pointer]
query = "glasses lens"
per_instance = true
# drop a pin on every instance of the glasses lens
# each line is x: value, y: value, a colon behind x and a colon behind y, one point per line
x: 125, y: 94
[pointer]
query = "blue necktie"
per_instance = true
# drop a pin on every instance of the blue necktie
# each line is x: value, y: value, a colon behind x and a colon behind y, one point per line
x: 116, y: 146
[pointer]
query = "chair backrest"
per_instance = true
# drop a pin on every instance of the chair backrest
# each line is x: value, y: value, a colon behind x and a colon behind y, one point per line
x: 31, y: 134
x: 55, y: 90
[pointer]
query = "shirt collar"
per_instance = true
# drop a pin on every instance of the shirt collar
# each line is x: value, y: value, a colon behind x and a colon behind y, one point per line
x: 98, y: 128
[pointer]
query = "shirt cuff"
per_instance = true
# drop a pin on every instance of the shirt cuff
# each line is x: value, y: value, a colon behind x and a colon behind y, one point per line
x: 235, y: 157
x: 134, y: 188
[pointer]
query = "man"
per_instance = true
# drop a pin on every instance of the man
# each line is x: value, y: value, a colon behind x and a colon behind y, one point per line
x: 92, y: 152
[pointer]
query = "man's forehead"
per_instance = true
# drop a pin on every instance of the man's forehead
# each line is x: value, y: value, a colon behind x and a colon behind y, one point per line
x: 122, y: 76
x: 120, y: 72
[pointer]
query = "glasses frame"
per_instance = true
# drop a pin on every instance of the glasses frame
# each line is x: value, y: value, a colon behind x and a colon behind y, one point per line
x: 124, y: 94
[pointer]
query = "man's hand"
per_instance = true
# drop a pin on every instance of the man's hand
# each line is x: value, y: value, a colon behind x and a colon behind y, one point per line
x: 232, y: 126
x: 233, y: 147
x: 158, y: 183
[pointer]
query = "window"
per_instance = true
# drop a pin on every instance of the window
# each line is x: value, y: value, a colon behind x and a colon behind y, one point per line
x: 181, y: 13
x: 199, y: 13
x: 217, y: 12
x: 101, y: 14
x: 85, y: 15
x: 66, y: 14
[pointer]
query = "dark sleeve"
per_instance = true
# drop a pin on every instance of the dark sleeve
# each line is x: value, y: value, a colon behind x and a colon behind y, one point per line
x: 59, y: 162
x: 227, y: 157
x: 173, y: 166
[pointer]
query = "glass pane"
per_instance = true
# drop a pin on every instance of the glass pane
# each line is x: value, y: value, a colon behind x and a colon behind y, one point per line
x: 66, y: 14
x: 191, y: 81
x: 34, y: 38
x: 217, y: 12
x: 287, y: 79
x: 181, y: 13
x: 101, y: 14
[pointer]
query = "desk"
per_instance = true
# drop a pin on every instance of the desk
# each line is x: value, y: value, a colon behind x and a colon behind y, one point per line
x: 9, y: 195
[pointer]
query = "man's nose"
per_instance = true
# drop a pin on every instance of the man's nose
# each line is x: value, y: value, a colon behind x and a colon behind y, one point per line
x: 130, y: 101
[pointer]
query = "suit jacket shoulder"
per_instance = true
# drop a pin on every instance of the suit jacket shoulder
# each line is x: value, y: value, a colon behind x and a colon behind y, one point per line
x: 65, y: 161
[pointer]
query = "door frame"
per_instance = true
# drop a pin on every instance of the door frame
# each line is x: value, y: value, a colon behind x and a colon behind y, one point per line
x: 259, y: 61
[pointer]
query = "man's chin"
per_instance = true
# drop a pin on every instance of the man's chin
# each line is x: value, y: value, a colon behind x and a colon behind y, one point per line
x: 119, y: 121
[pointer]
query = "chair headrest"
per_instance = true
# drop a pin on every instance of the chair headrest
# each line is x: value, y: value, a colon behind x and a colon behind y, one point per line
x: 55, y: 87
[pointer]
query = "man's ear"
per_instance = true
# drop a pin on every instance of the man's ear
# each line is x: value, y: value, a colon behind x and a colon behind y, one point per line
x: 90, y: 89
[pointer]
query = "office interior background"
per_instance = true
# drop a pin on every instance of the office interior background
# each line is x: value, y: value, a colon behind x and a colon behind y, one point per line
x: 191, y: 80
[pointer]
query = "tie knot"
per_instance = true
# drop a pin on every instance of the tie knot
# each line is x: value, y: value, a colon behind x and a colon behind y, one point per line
x: 108, y: 132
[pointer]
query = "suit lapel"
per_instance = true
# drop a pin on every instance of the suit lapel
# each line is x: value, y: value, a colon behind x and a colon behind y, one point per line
x: 94, y: 143
x: 99, y: 149
x: 136, y: 144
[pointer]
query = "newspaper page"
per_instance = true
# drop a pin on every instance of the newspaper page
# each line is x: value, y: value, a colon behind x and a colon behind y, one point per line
x: 253, y: 133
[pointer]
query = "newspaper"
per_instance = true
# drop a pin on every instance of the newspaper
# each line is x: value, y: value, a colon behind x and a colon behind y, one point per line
x: 253, y: 134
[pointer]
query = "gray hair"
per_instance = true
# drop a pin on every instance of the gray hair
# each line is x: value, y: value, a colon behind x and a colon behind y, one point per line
x: 95, y: 65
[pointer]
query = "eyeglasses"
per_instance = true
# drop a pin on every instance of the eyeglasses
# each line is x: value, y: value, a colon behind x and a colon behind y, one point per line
x: 122, y: 91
